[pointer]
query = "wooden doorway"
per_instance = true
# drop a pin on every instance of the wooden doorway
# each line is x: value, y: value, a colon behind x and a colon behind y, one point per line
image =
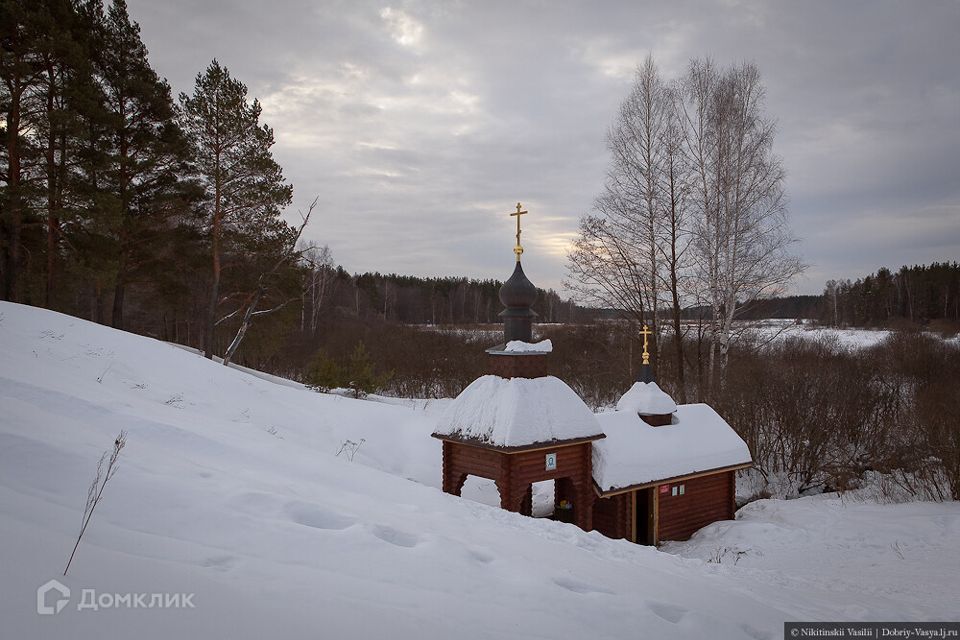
x: 643, y: 514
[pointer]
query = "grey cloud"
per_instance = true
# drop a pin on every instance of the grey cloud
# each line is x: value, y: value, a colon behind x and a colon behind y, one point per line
x: 421, y: 128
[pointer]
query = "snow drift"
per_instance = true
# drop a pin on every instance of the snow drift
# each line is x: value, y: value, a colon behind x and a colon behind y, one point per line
x: 229, y: 489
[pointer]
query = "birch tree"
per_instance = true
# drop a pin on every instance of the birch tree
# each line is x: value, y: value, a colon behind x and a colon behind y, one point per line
x: 674, y: 241
x: 741, y: 238
x: 693, y: 209
x: 619, y: 237
x: 319, y: 284
x: 622, y: 255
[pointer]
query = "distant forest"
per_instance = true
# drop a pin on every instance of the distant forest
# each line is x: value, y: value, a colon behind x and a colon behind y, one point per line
x: 437, y: 300
x: 917, y: 294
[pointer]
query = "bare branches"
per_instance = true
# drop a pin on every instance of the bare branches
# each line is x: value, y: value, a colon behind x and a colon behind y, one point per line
x: 95, y: 492
x: 693, y: 209
x: 288, y: 254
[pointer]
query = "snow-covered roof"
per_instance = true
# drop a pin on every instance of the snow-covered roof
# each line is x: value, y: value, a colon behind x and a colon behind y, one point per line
x: 636, y: 453
x: 646, y: 398
x: 519, y: 346
x: 514, y: 412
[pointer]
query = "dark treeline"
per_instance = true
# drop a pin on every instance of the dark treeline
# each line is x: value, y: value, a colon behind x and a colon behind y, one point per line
x: 913, y: 296
x: 122, y: 204
x: 783, y: 307
x: 917, y: 294
x: 805, y: 307
x: 430, y: 300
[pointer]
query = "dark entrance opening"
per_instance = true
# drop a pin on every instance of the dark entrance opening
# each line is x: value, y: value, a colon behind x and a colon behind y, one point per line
x: 563, y: 499
x: 643, y: 516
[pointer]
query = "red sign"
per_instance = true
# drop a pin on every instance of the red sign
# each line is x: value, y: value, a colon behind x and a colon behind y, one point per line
x: 664, y: 488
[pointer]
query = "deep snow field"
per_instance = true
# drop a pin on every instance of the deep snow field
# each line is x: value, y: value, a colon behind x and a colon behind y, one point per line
x: 230, y: 488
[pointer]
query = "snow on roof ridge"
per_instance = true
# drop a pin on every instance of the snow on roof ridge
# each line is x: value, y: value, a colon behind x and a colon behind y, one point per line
x: 646, y: 398
x: 519, y: 346
x: 511, y: 412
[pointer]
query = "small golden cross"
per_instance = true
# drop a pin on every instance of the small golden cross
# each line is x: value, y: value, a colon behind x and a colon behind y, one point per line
x: 518, y: 249
x: 646, y: 355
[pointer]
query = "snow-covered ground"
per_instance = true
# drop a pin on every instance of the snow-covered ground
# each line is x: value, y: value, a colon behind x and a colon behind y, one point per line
x: 230, y: 489
x: 863, y: 552
x: 773, y: 330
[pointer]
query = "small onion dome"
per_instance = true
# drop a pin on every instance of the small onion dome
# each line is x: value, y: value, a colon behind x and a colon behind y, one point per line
x: 518, y: 294
x: 518, y: 291
x: 647, y: 400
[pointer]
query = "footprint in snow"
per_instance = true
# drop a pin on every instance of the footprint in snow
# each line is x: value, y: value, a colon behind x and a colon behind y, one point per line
x: 317, y: 518
x: 220, y: 563
x: 756, y: 634
x: 669, y: 612
x: 579, y: 587
x: 396, y: 537
x: 480, y: 556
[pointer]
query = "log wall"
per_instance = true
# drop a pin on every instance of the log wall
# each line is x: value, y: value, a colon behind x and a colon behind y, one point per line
x: 613, y: 516
x: 521, y: 365
x: 706, y: 499
x: 515, y: 472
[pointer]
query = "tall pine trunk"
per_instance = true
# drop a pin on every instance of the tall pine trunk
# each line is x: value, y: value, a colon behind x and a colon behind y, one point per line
x: 52, y: 220
x: 215, y: 282
x: 125, y: 220
x: 116, y: 318
x: 13, y: 213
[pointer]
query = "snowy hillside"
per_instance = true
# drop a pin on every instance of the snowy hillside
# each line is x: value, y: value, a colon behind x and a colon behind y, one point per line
x: 229, y: 488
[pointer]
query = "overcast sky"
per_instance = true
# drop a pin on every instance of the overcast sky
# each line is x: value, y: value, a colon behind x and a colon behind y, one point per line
x: 421, y: 124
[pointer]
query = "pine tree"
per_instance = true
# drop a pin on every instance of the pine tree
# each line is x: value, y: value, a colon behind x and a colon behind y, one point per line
x: 145, y: 156
x: 324, y: 373
x: 360, y: 374
x: 23, y: 26
x: 244, y: 186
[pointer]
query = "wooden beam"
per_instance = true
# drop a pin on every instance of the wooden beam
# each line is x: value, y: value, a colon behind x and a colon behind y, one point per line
x: 690, y: 476
x: 633, y: 512
x: 656, y: 516
x: 527, y: 448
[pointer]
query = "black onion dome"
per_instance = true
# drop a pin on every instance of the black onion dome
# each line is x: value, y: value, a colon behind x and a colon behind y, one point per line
x: 646, y: 374
x: 518, y: 294
x: 518, y: 291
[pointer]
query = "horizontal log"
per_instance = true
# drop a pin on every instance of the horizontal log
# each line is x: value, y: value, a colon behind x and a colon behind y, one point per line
x: 477, y: 454
x: 685, y: 524
x: 686, y: 529
x: 476, y: 470
x: 720, y: 502
x: 673, y: 515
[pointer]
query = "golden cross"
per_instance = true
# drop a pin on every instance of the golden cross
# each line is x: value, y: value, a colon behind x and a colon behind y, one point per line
x: 518, y: 249
x: 646, y: 355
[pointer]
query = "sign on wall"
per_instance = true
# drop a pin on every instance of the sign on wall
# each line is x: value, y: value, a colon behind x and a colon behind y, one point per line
x: 551, y: 464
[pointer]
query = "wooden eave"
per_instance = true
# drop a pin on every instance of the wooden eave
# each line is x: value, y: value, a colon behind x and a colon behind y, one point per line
x: 653, y: 483
x: 535, y: 446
